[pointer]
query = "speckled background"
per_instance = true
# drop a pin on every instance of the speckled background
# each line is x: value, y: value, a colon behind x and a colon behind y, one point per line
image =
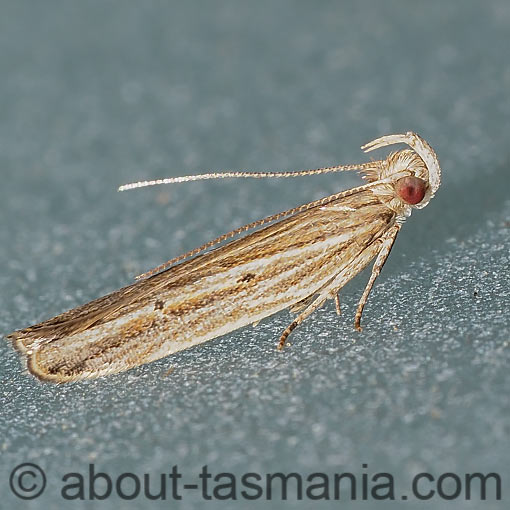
x: 97, y: 93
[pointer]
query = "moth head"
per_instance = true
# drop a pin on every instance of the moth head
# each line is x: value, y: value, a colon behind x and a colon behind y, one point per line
x: 410, y: 178
x: 416, y: 171
x: 401, y: 179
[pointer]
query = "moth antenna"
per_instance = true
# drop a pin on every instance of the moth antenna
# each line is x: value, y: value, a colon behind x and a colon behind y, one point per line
x: 249, y: 175
x: 254, y: 224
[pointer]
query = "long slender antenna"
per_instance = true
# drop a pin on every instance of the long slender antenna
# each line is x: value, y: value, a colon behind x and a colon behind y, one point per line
x: 249, y: 175
x: 259, y: 223
x: 413, y: 140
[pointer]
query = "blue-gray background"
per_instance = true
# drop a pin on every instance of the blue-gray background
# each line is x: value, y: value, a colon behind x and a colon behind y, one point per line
x: 97, y: 93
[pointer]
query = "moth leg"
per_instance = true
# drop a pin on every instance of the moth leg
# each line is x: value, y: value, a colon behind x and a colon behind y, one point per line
x: 387, y: 243
x: 337, y: 304
x: 317, y: 303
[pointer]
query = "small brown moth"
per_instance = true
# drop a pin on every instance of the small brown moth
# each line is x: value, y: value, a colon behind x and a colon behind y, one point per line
x: 301, y: 258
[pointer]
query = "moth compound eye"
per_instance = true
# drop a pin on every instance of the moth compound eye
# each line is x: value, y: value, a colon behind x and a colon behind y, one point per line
x: 411, y: 189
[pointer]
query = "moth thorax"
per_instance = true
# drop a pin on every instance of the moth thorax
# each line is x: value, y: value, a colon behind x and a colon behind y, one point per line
x: 411, y: 189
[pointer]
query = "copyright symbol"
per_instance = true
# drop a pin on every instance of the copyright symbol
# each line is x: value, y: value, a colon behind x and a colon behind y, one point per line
x: 27, y: 481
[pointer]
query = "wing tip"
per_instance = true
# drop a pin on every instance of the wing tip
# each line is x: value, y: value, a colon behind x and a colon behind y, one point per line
x: 22, y: 341
x: 43, y: 375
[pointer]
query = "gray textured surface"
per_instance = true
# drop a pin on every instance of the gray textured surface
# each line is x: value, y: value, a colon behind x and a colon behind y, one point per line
x: 94, y: 94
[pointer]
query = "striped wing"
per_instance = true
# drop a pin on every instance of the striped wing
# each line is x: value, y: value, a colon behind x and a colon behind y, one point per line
x: 212, y: 294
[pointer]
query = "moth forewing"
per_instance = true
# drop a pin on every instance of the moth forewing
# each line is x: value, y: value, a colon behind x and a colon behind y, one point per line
x: 304, y: 257
x: 214, y: 293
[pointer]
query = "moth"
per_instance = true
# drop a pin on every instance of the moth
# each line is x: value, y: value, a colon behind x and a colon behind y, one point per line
x: 295, y: 259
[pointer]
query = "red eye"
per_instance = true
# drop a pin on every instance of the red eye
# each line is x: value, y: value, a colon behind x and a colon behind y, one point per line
x: 411, y: 189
